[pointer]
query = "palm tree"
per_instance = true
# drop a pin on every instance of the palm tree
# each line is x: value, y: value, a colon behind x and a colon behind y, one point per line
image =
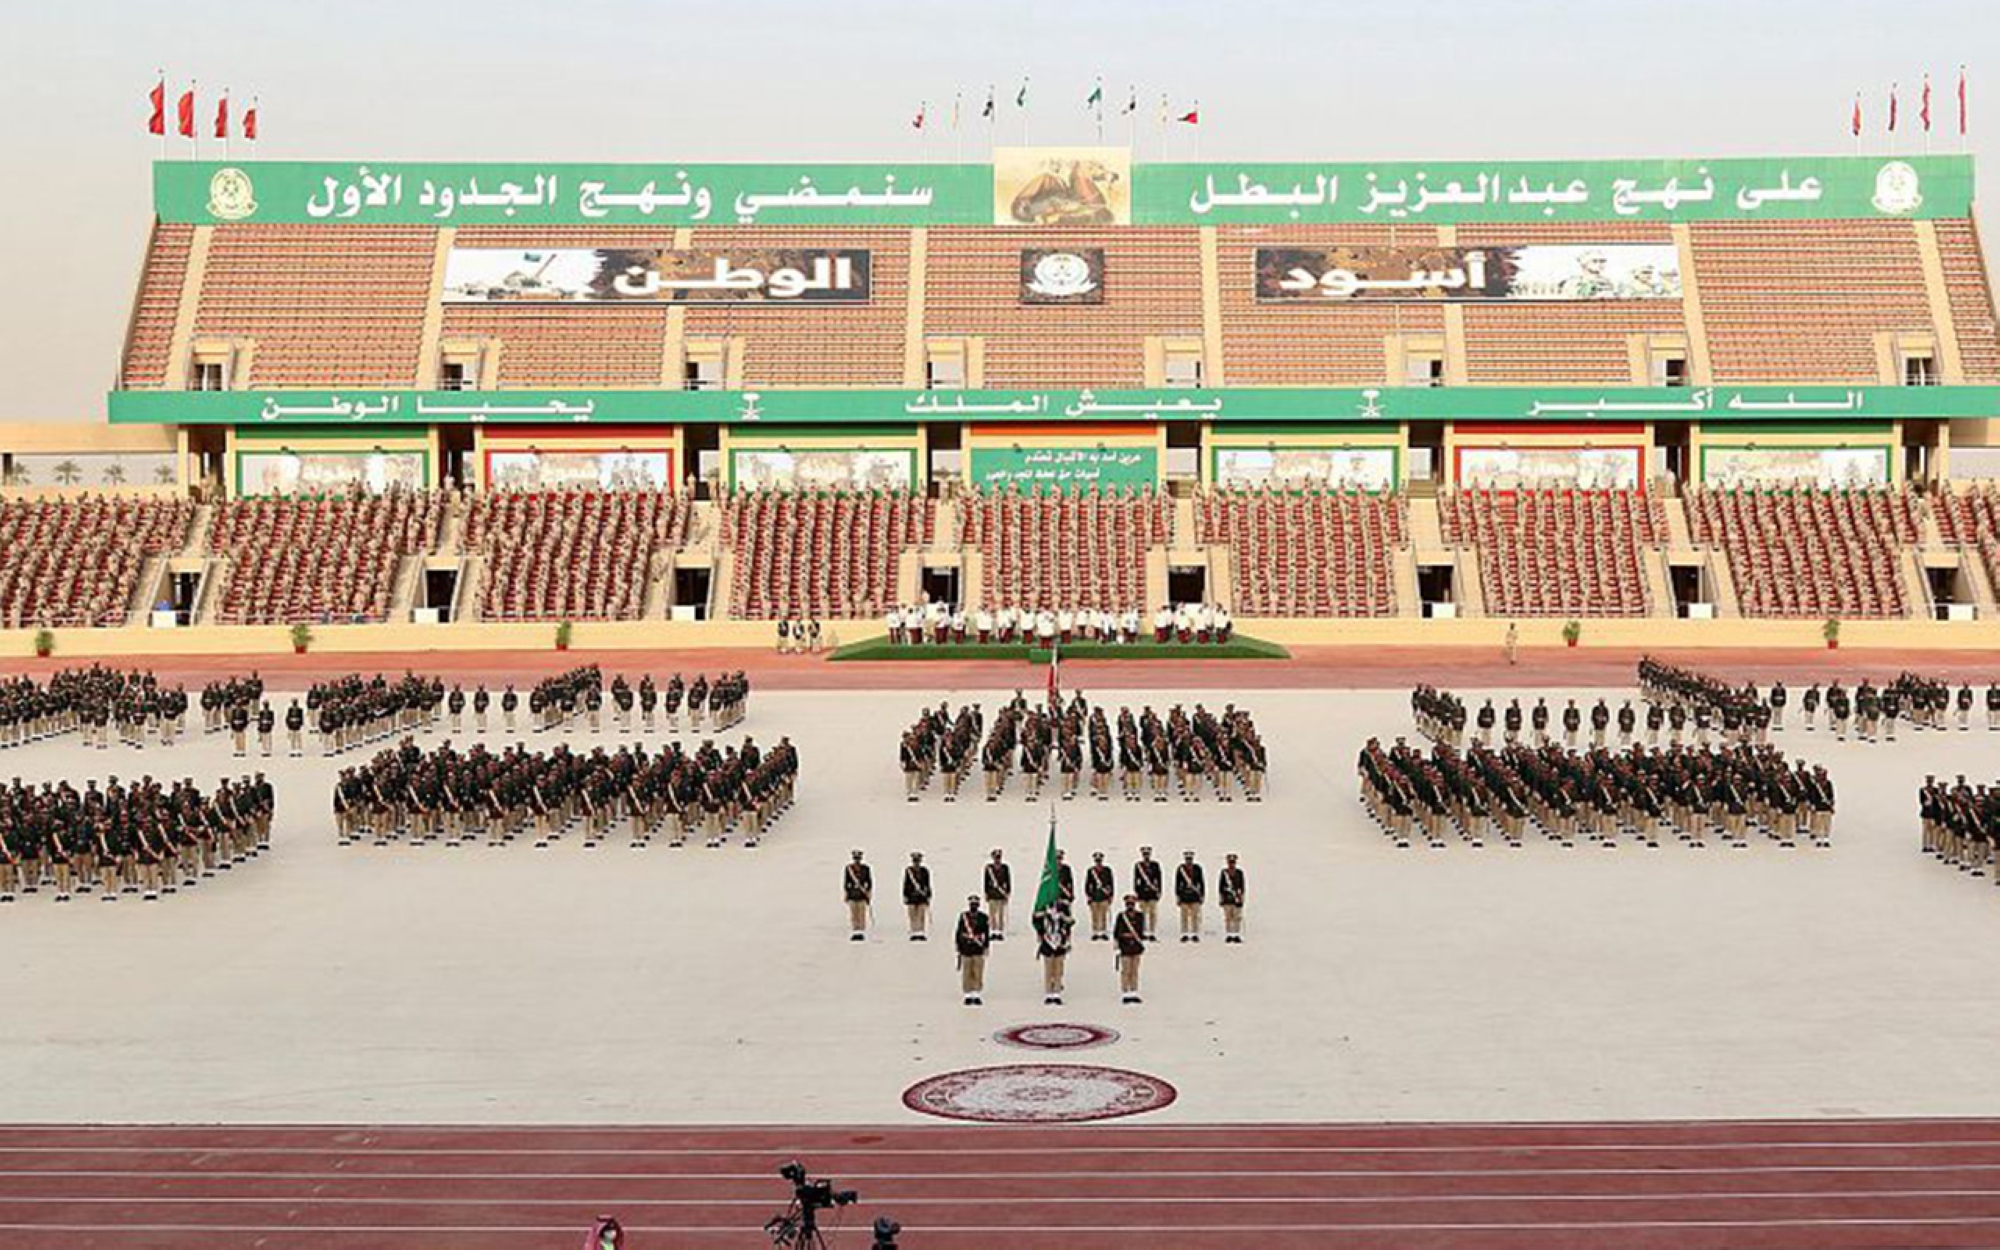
x: 163, y: 474
x: 17, y: 474
x: 114, y: 473
x: 68, y: 473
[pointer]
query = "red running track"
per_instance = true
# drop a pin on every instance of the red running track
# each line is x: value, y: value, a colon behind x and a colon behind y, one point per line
x: 1310, y: 667
x: 1826, y: 1185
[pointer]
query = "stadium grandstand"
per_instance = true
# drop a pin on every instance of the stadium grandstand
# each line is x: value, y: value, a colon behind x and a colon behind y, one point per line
x: 1725, y: 399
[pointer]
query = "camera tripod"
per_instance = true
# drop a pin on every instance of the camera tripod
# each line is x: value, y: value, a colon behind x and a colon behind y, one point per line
x: 797, y: 1228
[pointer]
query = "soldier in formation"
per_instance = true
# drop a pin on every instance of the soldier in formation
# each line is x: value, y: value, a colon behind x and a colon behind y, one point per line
x: 144, y: 837
x: 1220, y: 753
x: 1600, y: 795
x: 460, y: 796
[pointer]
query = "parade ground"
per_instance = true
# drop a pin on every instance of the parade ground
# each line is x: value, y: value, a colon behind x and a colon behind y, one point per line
x: 614, y: 989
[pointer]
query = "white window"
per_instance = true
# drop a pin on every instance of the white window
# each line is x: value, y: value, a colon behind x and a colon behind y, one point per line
x: 1920, y: 369
x: 208, y: 376
x: 457, y: 375
x: 702, y: 373
x: 1670, y: 369
x: 1424, y: 369
x: 1183, y: 370
x: 945, y: 371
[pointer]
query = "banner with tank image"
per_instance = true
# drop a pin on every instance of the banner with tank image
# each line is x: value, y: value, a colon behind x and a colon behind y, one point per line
x: 615, y: 275
x: 1822, y: 467
x: 844, y: 468
x: 1559, y: 271
x: 1578, y: 468
x: 571, y: 470
x: 1342, y: 468
x: 329, y: 472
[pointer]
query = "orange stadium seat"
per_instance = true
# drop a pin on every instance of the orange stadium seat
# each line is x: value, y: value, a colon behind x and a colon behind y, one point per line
x: 827, y: 554
x: 1307, y: 553
x: 1811, y: 553
x: 77, y: 561
x: 572, y: 555
x: 1557, y: 552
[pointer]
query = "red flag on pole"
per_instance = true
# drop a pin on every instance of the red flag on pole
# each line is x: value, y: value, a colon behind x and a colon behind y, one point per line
x: 186, y: 114
x: 1855, y: 124
x: 1925, y: 112
x: 1192, y: 117
x: 222, y: 115
x: 1892, y: 108
x: 158, y: 124
x: 917, y: 122
x: 1961, y: 101
x: 250, y: 121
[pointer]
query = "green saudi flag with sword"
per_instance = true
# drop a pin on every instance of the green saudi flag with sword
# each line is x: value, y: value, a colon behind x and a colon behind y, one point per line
x: 1050, y: 890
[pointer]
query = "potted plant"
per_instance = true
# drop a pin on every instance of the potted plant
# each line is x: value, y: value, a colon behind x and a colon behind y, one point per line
x: 45, y: 643
x: 1572, y: 630
x: 302, y: 637
x: 1831, y: 632
x: 563, y: 632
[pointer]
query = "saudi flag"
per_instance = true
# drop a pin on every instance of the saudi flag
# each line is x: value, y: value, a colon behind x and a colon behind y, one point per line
x: 1021, y: 96
x: 1051, y: 888
x: 1096, y: 97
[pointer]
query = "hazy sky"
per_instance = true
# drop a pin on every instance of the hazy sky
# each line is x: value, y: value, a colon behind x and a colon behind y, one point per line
x: 775, y: 79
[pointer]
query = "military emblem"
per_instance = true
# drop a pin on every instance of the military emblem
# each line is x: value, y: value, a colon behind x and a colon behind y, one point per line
x: 230, y: 195
x: 1062, y: 275
x: 1897, y: 189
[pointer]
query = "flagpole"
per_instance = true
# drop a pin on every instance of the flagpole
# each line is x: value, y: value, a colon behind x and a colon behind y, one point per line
x: 194, y: 116
x: 163, y: 114
x: 225, y: 124
x: 957, y: 139
x: 1197, y: 129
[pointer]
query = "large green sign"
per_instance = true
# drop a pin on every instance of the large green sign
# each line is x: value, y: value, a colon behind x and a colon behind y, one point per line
x: 752, y: 408
x: 392, y: 192
x: 211, y: 192
x: 1638, y: 190
x: 1071, y: 468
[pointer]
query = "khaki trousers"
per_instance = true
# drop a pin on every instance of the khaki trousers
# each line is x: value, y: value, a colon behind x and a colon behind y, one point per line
x: 1100, y: 917
x: 1150, y: 909
x: 1128, y: 974
x: 997, y: 909
x: 857, y: 914
x: 1232, y: 919
x: 1052, y: 973
x: 972, y: 973
x: 1190, y: 919
x: 920, y: 917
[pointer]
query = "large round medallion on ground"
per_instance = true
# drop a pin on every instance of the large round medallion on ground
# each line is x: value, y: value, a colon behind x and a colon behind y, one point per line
x: 1056, y: 1036
x: 1039, y: 1093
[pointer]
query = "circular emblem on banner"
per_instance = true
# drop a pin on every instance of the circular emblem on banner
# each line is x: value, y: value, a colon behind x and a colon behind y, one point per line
x: 1897, y: 189
x: 1062, y: 275
x: 1039, y: 1093
x: 230, y: 196
x: 1057, y: 1036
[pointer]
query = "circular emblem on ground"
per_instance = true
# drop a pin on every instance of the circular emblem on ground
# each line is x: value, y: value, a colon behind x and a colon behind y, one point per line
x: 1057, y: 1036
x: 1039, y: 1093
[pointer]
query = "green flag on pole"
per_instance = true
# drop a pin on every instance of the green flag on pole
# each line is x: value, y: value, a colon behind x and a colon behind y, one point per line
x: 1051, y: 888
x: 1021, y: 96
x: 1096, y: 96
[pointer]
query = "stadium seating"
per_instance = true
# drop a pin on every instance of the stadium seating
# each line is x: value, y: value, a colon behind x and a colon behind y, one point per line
x: 1810, y: 553
x: 329, y: 561
x: 571, y: 555
x: 1555, y: 551
x: 76, y: 562
x: 1970, y: 517
x: 324, y: 308
x: 1306, y: 553
x: 150, y: 342
x: 1806, y: 299
x: 1064, y: 549
x: 831, y: 554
